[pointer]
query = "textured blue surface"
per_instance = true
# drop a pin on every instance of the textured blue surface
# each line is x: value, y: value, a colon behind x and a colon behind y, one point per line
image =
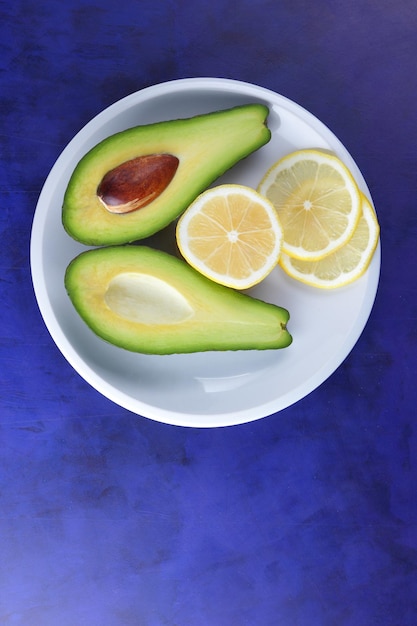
x: 305, y: 518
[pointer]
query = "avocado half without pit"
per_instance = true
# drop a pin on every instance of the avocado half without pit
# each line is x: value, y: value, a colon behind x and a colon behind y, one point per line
x: 136, y: 182
x: 145, y: 300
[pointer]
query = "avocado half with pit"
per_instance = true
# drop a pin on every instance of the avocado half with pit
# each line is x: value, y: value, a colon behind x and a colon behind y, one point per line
x: 145, y: 300
x: 136, y: 182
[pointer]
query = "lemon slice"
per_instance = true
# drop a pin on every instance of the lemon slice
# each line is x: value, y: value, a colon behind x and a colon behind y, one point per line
x: 345, y: 264
x: 317, y: 200
x: 232, y: 235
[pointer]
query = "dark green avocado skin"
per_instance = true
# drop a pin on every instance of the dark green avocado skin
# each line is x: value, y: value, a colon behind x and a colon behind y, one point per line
x: 205, y: 146
x: 221, y: 318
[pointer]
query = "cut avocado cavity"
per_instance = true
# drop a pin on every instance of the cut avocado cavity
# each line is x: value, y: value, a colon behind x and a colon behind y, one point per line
x: 145, y: 300
x: 134, y: 183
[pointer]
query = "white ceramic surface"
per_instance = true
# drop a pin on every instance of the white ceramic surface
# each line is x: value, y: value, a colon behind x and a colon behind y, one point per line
x: 203, y: 389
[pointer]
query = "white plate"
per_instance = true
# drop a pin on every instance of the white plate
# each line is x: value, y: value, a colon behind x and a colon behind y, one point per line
x: 203, y: 389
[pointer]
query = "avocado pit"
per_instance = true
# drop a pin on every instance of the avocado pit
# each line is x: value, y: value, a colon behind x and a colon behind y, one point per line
x: 137, y: 182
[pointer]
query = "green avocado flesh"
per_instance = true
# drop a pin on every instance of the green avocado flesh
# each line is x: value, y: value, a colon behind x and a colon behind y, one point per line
x: 134, y: 183
x: 145, y: 300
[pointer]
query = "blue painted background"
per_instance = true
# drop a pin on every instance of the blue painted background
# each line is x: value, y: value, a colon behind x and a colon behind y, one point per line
x: 305, y: 518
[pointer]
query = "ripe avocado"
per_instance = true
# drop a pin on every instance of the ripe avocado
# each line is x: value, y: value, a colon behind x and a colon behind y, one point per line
x: 145, y: 300
x: 136, y: 182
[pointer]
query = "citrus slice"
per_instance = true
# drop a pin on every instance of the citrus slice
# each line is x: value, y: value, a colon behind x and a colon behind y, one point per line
x: 232, y: 235
x: 345, y: 264
x: 317, y: 200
